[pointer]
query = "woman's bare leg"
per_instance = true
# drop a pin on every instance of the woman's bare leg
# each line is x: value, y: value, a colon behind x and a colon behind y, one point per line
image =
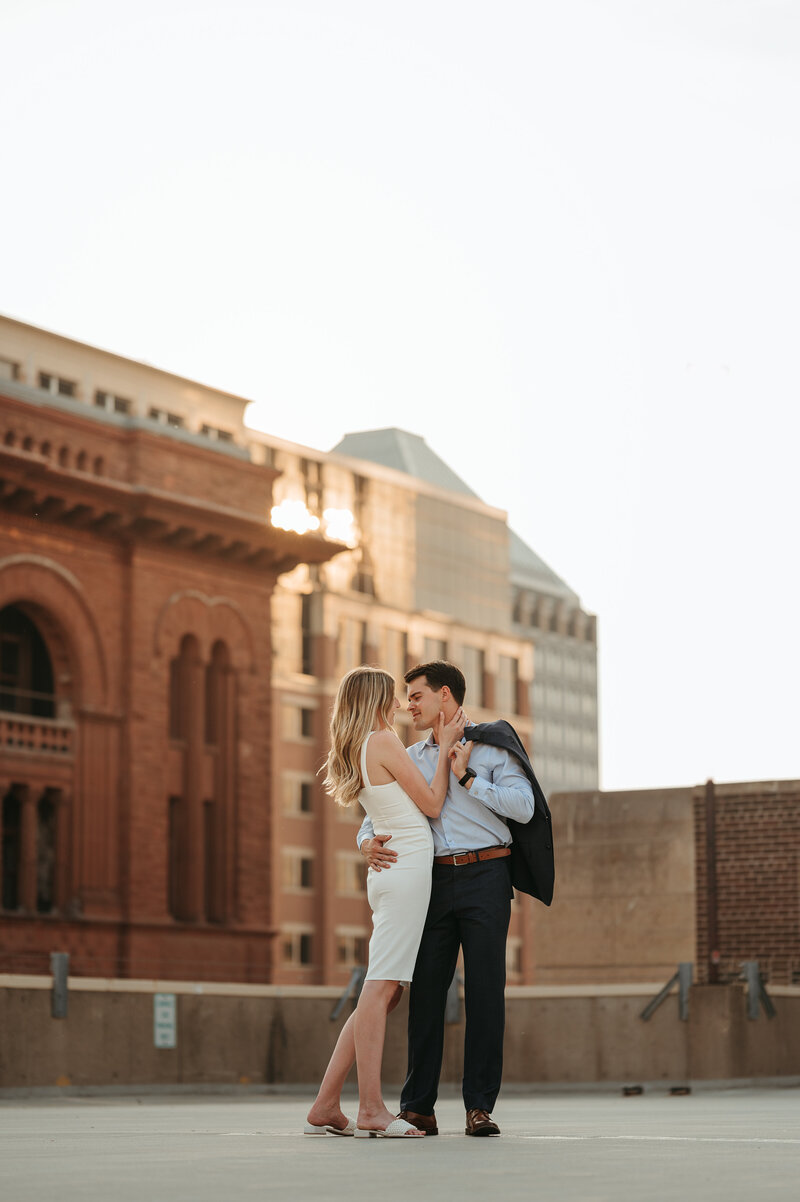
x: 327, y: 1107
x: 377, y: 999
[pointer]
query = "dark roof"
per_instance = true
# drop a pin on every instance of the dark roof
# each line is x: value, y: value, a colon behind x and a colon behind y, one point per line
x: 527, y: 568
x: 404, y: 452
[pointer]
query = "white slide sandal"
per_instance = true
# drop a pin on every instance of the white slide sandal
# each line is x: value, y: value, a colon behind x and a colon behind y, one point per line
x: 329, y: 1129
x: 397, y: 1129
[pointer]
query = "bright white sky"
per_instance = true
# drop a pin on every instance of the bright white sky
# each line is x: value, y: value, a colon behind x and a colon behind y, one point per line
x: 558, y: 238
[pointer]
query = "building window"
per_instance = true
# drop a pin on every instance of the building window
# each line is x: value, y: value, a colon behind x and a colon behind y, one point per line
x: 473, y: 667
x: 298, y: 794
x: 46, y: 851
x: 15, y: 804
x: 11, y: 829
x: 165, y: 418
x: 26, y: 670
x: 215, y: 433
x: 307, y: 652
x: 8, y: 369
x: 350, y: 873
x: 298, y: 721
x: 312, y: 484
x: 394, y: 653
x: 352, y: 644
x: 297, y: 947
x: 176, y: 864
x: 112, y: 403
x: 364, y: 577
x: 360, y: 498
x: 506, y: 686
x: 433, y: 649
x: 57, y: 385
x: 298, y: 869
x: 351, y: 947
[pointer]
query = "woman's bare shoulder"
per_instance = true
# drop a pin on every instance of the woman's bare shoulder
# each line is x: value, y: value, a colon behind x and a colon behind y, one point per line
x: 384, y: 740
x: 383, y: 737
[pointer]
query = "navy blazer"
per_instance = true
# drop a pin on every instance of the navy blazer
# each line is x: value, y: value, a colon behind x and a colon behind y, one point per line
x: 532, y: 862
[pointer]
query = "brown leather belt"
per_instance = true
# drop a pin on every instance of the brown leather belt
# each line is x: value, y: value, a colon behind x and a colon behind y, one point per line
x: 471, y: 857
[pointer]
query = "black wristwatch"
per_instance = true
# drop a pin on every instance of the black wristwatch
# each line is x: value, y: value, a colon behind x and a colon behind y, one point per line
x: 468, y: 776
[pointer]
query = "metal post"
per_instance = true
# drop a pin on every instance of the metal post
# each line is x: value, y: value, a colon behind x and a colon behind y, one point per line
x: 711, y: 884
x: 756, y: 992
x: 352, y: 990
x: 684, y: 983
x: 661, y: 996
x: 59, y: 966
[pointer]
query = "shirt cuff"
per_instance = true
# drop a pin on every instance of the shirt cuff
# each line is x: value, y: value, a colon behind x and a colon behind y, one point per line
x: 478, y: 788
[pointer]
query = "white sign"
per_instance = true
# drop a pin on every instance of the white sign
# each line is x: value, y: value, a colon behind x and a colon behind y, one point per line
x: 165, y: 1027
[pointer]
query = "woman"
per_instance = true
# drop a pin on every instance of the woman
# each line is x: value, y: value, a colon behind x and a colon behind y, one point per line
x: 368, y: 763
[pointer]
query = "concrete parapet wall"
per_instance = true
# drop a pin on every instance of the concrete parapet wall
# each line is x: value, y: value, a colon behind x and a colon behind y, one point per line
x: 624, y: 907
x: 233, y: 1034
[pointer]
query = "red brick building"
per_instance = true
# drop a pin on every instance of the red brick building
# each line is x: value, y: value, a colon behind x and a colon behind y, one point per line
x: 137, y: 564
x: 747, y: 863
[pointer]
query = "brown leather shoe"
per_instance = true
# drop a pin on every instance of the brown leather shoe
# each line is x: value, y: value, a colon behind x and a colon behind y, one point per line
x: 480, y: 1122
x: 423, y: 1122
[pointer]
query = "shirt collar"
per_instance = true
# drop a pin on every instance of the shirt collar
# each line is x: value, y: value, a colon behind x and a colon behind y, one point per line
x: 431, y: 742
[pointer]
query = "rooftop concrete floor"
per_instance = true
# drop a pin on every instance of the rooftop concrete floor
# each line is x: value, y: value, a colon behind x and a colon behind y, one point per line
x: 567, y: 1146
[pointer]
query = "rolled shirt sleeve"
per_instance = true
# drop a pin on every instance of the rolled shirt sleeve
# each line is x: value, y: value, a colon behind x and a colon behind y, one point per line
x: 507, y: 793
x: 365, y: 831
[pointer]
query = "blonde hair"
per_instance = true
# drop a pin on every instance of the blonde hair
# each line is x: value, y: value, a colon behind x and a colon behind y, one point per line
x: 365, y: 695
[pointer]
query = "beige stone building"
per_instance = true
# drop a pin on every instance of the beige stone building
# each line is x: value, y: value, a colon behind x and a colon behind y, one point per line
x: 427, y: 578
x: 564, y: 688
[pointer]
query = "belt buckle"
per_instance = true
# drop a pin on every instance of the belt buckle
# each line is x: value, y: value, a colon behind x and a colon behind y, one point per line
x: 464, y: 855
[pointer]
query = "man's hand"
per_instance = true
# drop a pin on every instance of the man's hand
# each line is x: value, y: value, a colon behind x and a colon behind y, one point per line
x: 459, y: 759
x: 376, y: 855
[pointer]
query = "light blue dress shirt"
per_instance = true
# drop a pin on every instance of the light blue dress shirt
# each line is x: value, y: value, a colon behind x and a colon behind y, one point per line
x: 472, y: 818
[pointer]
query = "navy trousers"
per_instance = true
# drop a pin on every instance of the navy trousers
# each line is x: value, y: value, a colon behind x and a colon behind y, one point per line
x: 470, y: 908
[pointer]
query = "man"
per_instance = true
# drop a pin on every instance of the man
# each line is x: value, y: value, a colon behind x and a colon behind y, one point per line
x: 470, y: 904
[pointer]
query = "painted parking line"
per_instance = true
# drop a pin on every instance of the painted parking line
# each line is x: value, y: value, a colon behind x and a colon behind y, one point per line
x: 675, y: 1139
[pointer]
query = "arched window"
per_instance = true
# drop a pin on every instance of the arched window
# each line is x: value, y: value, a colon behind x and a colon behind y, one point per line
x: 46, y: 449
x: 63, y: 457
x: 10, y: 438
x: 182, y: 697
x: 181, y: 686
x: 98, y: 466
x: 81, y: 461
x: 220, y: 705
x: 27, y: 444
x: 26, y: 670
x: 202, y: 707
x: 215, y: 699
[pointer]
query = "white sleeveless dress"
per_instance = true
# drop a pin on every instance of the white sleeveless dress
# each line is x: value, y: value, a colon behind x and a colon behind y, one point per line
x: 398, y: 895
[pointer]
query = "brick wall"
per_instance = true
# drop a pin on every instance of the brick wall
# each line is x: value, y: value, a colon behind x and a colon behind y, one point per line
x: 756, y: 829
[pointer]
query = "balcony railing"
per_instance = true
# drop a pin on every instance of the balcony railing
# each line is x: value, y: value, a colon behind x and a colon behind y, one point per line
x: 36, y: 736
